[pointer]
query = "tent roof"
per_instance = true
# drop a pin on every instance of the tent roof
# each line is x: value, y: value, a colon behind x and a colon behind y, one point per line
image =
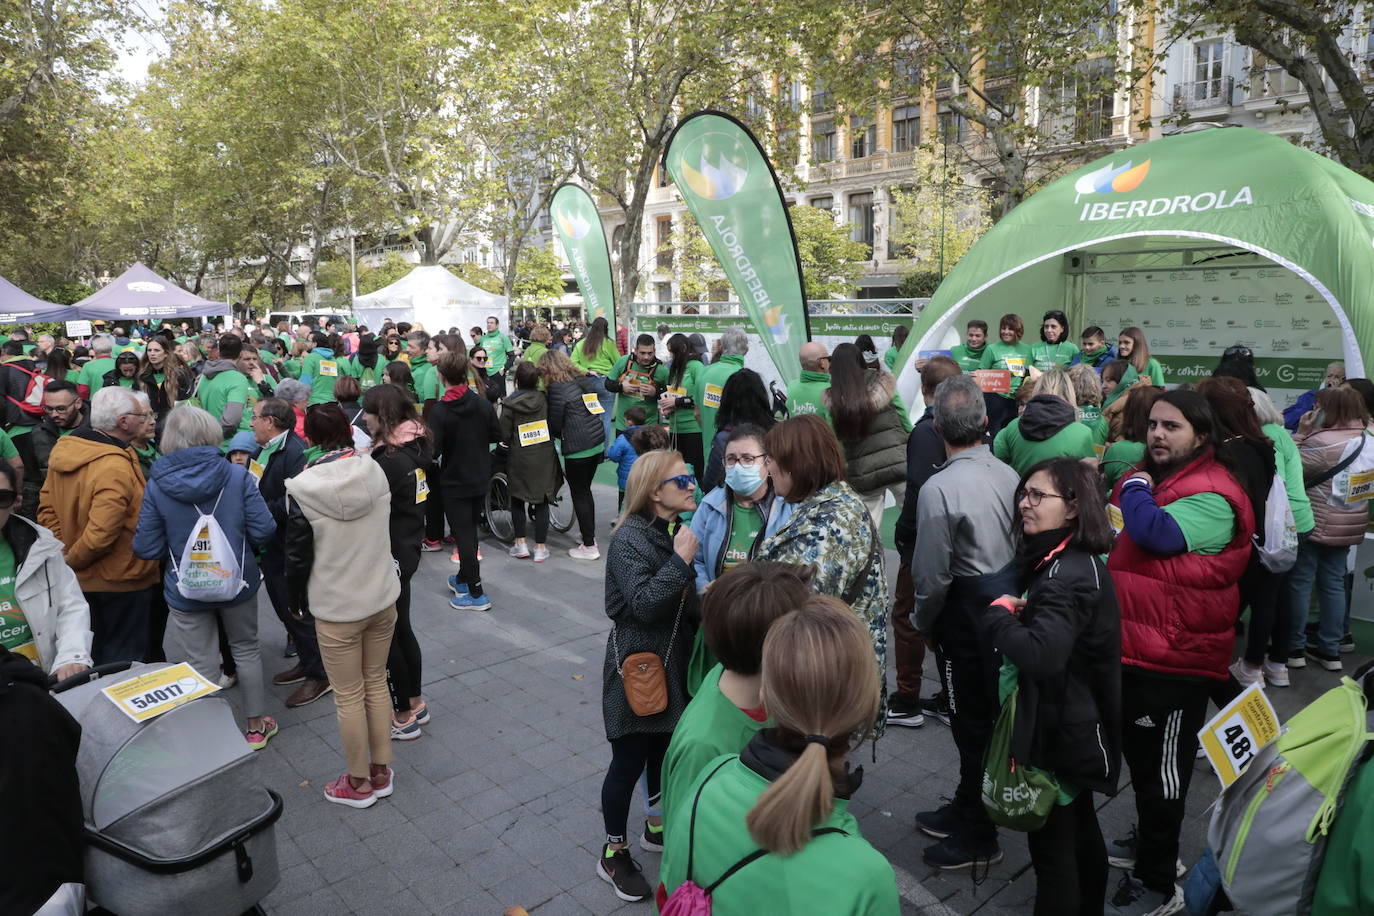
x: 1231, y: 187
x: 18, y: 307
x: 139, y: 294
x: 434, y: 283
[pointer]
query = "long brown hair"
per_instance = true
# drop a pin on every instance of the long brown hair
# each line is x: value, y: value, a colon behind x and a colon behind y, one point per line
x: 173, y: 369
x: 596, y: 335
x: 850, y: 408
x: 393, y: 408
x: 819, y: 682
x: 1140, y: 350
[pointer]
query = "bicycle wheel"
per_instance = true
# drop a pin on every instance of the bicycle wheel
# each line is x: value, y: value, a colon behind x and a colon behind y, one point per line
x: 561, y: 510
x: 498, y: 509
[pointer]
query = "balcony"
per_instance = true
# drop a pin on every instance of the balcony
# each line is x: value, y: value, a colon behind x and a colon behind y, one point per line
x: 1270, y: 86
x: 1209, y: 97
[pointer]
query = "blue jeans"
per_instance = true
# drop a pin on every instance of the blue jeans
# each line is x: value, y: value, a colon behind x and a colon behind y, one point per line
x: 1323, y: 567
x: 607, y: 400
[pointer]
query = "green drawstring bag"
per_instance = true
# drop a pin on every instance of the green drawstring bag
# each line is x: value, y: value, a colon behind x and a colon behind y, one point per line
x: 1016, y: 796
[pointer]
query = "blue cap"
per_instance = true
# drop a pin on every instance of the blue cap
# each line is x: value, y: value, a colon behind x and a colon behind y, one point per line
x: 243, y: 441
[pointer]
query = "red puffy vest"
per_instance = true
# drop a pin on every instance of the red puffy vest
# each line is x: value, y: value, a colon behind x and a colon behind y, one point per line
x: 1178, y: 613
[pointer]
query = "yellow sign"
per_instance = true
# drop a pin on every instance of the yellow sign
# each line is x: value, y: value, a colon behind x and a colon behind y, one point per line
x: 593, y: 404
x: 1115, y: 518
x: 533, y: 433
x: 329, y: 368
x: 421, y: 486
x: 1361, y: 487
x: 711, y: 396
x: 150, y: 695
x: 677, y: 392
x: 1236, y: 733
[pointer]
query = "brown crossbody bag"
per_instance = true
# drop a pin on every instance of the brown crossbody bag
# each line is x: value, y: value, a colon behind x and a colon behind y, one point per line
x: 644, y: 674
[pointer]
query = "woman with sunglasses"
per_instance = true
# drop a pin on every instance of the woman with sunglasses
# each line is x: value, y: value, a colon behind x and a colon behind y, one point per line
x: 652, y: 603
x: 478, y: 379
x: 1061, y: 641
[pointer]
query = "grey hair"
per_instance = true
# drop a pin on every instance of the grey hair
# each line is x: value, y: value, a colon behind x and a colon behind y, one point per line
x: 43, y: 337
x: 734, y: 341
x: 960, y: 414
x: 109, y: 404
x: 1265, y: 411
x: 188, y: 426
x: 102, y: 343
x: 278, y: 411
x: 290, y: 390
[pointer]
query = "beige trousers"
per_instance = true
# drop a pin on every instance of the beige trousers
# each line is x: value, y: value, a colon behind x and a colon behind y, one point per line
x: 354, y: 657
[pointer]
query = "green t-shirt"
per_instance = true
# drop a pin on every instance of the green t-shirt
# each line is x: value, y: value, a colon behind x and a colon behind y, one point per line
x: 804, y: 395
x: 536, y: 350
x: 323, y: 371
x: 1206, y: 520
x: 1045, y: 356
x: 684, y: 419
x: 123, y: 382
x: 713, y: 381
x: 228, y: 387
x: 711, y: 725
x: 1119, y: 458
x: 1014, y: 357
x: 367, y: 378
x: 890, y: 358
x: 426, y: 378
x: 627, y: 369
x: 497, y: 346
x: 745, y: 524
x: 7, y: 449
x: 599, y: 362
x: 93, y: 373
x: 15, y: 633
x: 967, y: 357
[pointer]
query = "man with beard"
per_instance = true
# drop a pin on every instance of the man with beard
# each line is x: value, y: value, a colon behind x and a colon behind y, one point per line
x: 637, y: 378
x: 1185, y: 528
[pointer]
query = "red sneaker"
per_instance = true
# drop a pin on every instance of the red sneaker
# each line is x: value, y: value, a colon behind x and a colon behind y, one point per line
x: 341, y: 792
x: 383, y: 786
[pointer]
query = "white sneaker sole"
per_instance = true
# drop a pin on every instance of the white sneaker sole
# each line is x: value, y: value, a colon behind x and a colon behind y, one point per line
x: 628, y: 898
x: 390, y: 787
x: 353, y: 802
x: 906, y: 721
x: 1128, y: 864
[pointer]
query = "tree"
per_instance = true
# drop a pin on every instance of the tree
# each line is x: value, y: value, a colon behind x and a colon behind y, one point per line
x: 831, y: 261
x: 698, y: 272
x: 538, y: 279
x: 1313, y: 41
x: 939, y: 219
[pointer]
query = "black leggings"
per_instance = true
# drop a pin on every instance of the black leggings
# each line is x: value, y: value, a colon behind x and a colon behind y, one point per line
x: 689, y: 444
x: 518, y: 517
x: 434, y: 509
x: 462, y: 512
x: 1070, y: 860
x: 579, y: 473
x: 403, y: 660
x: 1271, y: 614
x: 630, y: 755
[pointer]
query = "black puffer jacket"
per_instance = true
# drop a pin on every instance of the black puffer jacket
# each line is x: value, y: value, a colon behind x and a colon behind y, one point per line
x: 570, y: 420
x: 405, y: 468
x: 1066, y: 644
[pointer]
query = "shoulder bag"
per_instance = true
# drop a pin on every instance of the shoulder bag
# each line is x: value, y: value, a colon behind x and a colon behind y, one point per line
x: 644, y: 674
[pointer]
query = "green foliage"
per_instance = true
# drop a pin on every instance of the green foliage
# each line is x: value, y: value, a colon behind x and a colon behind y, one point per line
x: 695, y: 265
x: 831, y: 262
x: 939, y: 219
x: 65, y: 293
x: 538, y: 279
x: 477, y: 275
x: 919, y: 283
x: 393, y: 267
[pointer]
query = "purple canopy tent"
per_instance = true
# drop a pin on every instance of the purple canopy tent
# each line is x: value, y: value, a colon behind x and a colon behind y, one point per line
x: 138, y: 294
x: 18, y: 307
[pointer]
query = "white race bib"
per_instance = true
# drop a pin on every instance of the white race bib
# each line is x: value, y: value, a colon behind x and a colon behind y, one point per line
x: 593, y: 404
x: 533, y: 433
x: 329, y: 368
x: 421, y: 486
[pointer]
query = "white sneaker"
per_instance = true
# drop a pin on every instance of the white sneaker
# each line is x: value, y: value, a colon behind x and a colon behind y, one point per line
x: 1276, y: 674
x: 520, y: 551
x: 541, y: 554
x: 585, y: 552
x: 1246, y: 675
x: 227, y: 681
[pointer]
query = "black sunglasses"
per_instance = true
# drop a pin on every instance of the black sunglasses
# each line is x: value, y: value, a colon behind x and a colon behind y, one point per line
x: 7, y: 498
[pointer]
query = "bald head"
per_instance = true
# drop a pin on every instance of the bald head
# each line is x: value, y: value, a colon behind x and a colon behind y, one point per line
x: 812, y: 353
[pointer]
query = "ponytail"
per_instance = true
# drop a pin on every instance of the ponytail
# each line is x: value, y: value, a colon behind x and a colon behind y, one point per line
x: 782, y: 819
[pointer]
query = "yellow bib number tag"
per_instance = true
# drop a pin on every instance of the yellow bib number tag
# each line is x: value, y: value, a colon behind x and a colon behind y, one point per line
x: 593, y: 404
x: 1115, y: 518
x: 533, y: 433
x: 421, y: 486
x: 711, y: 396
x: 678, y: 392
x: 1017, y: 365
x: 329, y: 368
x: 255, y: 468
x: 151, y: 695
x: 1361, y: 487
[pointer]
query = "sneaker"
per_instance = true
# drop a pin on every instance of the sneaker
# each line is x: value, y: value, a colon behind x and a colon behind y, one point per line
x: 450, y: 539
x: 1246, y: 675
x: 585, y: 552
x: 422, y: 714
x: 1121, y: 854
x: 287, y: 678
x: 940, y: 824
x: 1347, y: 644
x: 454, y: 558
x: 308, y: 692
x: 407, y: 732
x: 257, y: 739
x: 541, y: 554
x: 906, y: 713
x: 458, y: 588
x: 1132, y: 898
x: 1297, y: 659
x: 227, y: 681
x: 290, y: 650
x: 651, y: 840
x: 937, y: 707
x: 623, y: 873
x: 429, y: 546
x: 954, y: 853
x: 519, y: 551
x: 468, y: 602
x: 1276, y: 674
x: 341, y: 792
x: 1329, y: 662
x: 383, y: 786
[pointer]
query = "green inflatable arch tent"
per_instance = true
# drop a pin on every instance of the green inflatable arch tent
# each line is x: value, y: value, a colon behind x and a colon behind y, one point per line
x: 1204, y: 240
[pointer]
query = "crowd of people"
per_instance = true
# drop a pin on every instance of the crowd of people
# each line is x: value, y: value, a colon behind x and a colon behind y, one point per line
x: 1074, y: 543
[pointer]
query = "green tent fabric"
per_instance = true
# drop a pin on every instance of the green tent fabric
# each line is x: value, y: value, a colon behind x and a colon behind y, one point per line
x: 1284, y: 236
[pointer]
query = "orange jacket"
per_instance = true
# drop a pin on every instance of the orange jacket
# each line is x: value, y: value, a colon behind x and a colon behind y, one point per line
x: 91, y: 501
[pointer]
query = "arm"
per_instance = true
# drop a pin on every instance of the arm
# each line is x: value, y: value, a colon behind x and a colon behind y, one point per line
x: 557, y: 400
x: 1001, y: 446
x: 300, y: 556
x: 650, y: 586
x: 18, y: 464
x: 1040, y: 648
x: 231, y: 417
x: 613, y: 379
x: 150, y: 537
x: 47, y: 516
x: 930, y: 572
x: 493, y: 427
x: 308, y: 364
x: 699, y: 567
x: 1148, y: 525
x: 104, y: 523
x: 72, y: 617
x: 259, y: 526
x: 507, y: 422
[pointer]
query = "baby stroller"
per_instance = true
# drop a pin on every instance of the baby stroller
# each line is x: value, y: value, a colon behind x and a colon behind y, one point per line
x: 177, y: 819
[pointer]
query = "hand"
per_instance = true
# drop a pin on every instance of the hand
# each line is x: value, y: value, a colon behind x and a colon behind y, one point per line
x: 685, y: 544
x: 1308, y: 423
x: 65, y: 671
x: 666, y: 403
x: 921, y: 364
x: 1011, y: 603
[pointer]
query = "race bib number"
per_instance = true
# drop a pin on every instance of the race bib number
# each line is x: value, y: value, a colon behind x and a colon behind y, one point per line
x: 677, y: 392
x: 1361, y: 487
x: 1115, y: 518
x: 1016, y: 365
x: 421, y: 486
x: 255, y: 468
x: 1235, y: 734
x: 533, y: 433
x: 149, y: 696
x: 329, y: 368
x: 993, y: 381
x: 593, y: 404
x: 711, y: 396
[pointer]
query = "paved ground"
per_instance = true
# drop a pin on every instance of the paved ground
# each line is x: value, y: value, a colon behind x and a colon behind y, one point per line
x: 498, y: 803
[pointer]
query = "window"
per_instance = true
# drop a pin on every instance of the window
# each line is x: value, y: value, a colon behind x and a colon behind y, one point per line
x: 822, y: 203
x: 1208, y: 69
x: 822, y: 99
x: 660, y: 176
x: 1089, y: 100
x: 906, y: 66
x: 1268, y: 79
x: 906, y: 128
x: 863, y: 137
x: 952, y: 127
x: 822, y: 141
x: 664, y: 237
x: 791, y: 94
x: 663, y: 291
x: 861, y: 218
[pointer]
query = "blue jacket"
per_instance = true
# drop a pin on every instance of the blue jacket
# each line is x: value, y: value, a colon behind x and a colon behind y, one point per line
x: 711, y: 525
x: 179, y: 486
x: 624, y: 454
x: 1104, y: 356
x: 1292, y: 414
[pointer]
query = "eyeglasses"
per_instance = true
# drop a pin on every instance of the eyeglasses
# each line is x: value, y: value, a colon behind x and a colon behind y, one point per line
x: 142, y: 415
x: 747, y: 460
x: 683, y: 481
x: 1033, y: 497
x: 58, y: 408
x: 7, y: 498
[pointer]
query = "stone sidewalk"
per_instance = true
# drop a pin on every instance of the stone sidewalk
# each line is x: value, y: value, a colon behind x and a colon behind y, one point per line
x: 498, y: 804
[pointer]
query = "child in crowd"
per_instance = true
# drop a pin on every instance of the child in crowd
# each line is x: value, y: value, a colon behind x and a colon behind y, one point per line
x: 1095, y: 351
x: 622, y: 452
x: 242, y: 448
x: 532, y: 471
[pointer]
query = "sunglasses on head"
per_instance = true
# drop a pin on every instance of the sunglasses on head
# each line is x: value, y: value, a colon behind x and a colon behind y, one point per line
x: 683, y: 481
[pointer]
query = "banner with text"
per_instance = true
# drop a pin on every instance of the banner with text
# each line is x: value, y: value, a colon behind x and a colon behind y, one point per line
x: 727, y: 182
x: 584, y: 242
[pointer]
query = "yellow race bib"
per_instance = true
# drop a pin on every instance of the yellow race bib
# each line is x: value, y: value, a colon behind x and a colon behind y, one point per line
x: 711, y: 396
x: 533, y: 433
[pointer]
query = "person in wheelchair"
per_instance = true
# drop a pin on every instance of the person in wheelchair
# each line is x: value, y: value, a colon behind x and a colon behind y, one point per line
x: 532, y: 468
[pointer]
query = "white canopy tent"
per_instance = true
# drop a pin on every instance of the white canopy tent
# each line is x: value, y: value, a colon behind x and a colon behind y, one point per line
x: 434, y: 298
